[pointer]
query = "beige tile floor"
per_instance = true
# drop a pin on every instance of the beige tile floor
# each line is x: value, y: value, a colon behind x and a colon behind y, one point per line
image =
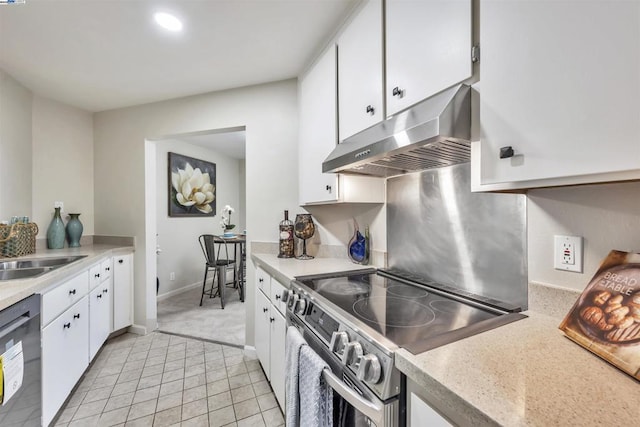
x: 166, y: 380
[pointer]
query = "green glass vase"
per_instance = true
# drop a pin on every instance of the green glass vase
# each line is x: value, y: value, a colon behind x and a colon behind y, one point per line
x: 56, y: 232
x: 74, y: 230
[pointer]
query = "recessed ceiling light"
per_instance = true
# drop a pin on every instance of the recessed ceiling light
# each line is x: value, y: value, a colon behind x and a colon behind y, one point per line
x: 168, y: 21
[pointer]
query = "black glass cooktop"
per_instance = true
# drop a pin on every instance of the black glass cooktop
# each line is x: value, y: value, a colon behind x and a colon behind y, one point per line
x: 411, y: 316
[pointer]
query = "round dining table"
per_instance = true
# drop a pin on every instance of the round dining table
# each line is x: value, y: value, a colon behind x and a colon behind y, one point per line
x: 239, y: 247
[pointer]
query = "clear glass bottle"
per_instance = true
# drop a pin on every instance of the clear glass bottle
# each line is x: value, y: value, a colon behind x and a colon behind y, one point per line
x: 286, y: 237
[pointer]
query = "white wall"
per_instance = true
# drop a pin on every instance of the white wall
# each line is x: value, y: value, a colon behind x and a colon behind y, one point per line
x: 178, y: 236
x: 606, y: 215
x: 62, y: 162
x: 269, y: 113
x: 15, y: 148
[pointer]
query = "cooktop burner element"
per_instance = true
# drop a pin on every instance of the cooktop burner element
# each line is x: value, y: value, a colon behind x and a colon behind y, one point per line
x: 407, y: 291
x: 397, y: 312
x: 340, y: 286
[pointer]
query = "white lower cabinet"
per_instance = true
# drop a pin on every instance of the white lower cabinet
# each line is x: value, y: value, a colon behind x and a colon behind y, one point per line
x: 77, y: 317
x: 263, y: 332
x: 270, y: 330
x: 65, y: 356
x: 122, y: 291
x: 99, y: 317
x: 419, y: 411
x: 277, y: 334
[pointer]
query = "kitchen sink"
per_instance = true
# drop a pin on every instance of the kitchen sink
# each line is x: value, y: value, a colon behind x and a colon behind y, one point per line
x: 23, y: 273
x: 25, y: 268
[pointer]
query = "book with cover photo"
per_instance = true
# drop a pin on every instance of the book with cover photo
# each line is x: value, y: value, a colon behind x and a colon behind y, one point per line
x: 606, y: 317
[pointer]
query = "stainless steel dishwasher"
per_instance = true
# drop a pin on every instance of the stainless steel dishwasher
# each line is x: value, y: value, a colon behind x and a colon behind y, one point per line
x: 20, y: 327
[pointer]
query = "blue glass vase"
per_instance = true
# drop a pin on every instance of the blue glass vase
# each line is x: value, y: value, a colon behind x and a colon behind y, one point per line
x: 358, y: 248
x: 55, y: 232
x: 74, y: 230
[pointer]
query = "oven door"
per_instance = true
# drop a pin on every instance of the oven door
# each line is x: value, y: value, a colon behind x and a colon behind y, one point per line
x: 354, y: 405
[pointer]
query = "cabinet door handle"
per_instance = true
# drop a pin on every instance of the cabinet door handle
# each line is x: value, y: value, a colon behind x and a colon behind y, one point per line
x: 271, y: 319
x: 66, y: 325
x: 261, y: 280
x: 278, y: 296
x: 72, y: 292
x: 371, y: 110
x: 97, y: 275
x: 105, y: 290
x: 99, y: 296
x: 265, y: 309
x: 506, y: 152
x: 107, y: 269
x: 397, y: 92
x: 328, y: 187
x: 120, y: 261
x: 76, y: 316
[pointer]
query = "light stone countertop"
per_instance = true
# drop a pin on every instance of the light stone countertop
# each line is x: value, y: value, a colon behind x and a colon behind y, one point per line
x: 13, y: 291
x: 285, y: 269
x: 526, y: 373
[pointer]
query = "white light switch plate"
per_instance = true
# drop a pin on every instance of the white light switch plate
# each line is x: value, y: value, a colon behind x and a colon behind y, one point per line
x: 567, y: 253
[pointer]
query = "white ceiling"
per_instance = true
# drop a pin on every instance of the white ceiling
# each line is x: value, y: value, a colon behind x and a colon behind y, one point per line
x: 105, y: 54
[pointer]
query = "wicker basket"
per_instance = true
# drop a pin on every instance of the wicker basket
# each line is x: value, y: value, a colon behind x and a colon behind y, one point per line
x: 18, y: 239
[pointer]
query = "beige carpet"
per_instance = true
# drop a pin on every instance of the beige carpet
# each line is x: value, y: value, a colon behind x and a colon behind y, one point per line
x: 182, y: 315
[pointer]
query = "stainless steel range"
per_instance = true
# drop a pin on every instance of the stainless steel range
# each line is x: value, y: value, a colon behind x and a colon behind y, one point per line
x: 357, y: 320
x: 458, y: 266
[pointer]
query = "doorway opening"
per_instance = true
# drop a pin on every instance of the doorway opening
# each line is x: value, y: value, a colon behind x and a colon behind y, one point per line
x: 180, y: 262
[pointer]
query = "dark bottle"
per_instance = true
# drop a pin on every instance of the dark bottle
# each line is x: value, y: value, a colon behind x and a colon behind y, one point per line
x: 286, y: 237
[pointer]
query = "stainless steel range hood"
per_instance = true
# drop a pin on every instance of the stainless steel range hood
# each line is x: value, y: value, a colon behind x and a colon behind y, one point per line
x: 432, y: 134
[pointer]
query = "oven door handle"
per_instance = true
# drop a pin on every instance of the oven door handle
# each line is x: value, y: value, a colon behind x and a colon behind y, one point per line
x: 375, y: 412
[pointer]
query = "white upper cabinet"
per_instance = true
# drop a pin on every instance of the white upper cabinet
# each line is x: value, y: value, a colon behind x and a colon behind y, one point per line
x: 318, y: 137
x: 428, y: 49
x: 360, y: 67
x: 318, y: 129
x: 560, y: 83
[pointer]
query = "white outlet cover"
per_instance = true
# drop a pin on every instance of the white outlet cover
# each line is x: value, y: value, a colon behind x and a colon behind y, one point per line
x: 558, y: 245
x: 59, y: 205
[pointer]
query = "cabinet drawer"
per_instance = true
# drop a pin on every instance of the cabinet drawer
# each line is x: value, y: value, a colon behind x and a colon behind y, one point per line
x: 263, y: 281
x: 276, y: 296
x: 65, y: 295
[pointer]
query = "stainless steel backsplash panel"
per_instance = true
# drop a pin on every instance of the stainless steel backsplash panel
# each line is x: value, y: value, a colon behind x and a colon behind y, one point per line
x: 438, y: 229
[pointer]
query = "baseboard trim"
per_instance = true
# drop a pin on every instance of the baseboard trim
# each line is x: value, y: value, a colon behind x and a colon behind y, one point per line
x: 137, y: 329
x: 169, y: 294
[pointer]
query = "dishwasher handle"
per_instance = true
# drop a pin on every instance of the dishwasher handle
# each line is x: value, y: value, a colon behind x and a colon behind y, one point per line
x: 12, y: 317
x: 7, y: 329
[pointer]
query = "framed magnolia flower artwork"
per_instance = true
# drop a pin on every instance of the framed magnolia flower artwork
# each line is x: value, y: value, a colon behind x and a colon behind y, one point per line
x: 192, y: 186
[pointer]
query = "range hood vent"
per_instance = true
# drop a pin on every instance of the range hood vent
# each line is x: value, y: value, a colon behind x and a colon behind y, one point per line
x: 432, y: 134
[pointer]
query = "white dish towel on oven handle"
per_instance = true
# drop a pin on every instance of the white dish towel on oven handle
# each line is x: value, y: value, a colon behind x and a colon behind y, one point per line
x: 293, y: 342
x: 309, y: 400
x: 316, y: 397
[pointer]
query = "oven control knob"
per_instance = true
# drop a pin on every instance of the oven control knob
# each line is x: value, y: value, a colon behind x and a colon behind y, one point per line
x: 369, y: 370
x: 352, y: 354
x: 338, y: 342
x: 291, y: 302
x: 300, y: 306
x: 284, y: 297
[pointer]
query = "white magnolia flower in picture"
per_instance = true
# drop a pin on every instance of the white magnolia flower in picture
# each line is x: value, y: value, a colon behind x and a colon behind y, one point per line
x: 193, y: 189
